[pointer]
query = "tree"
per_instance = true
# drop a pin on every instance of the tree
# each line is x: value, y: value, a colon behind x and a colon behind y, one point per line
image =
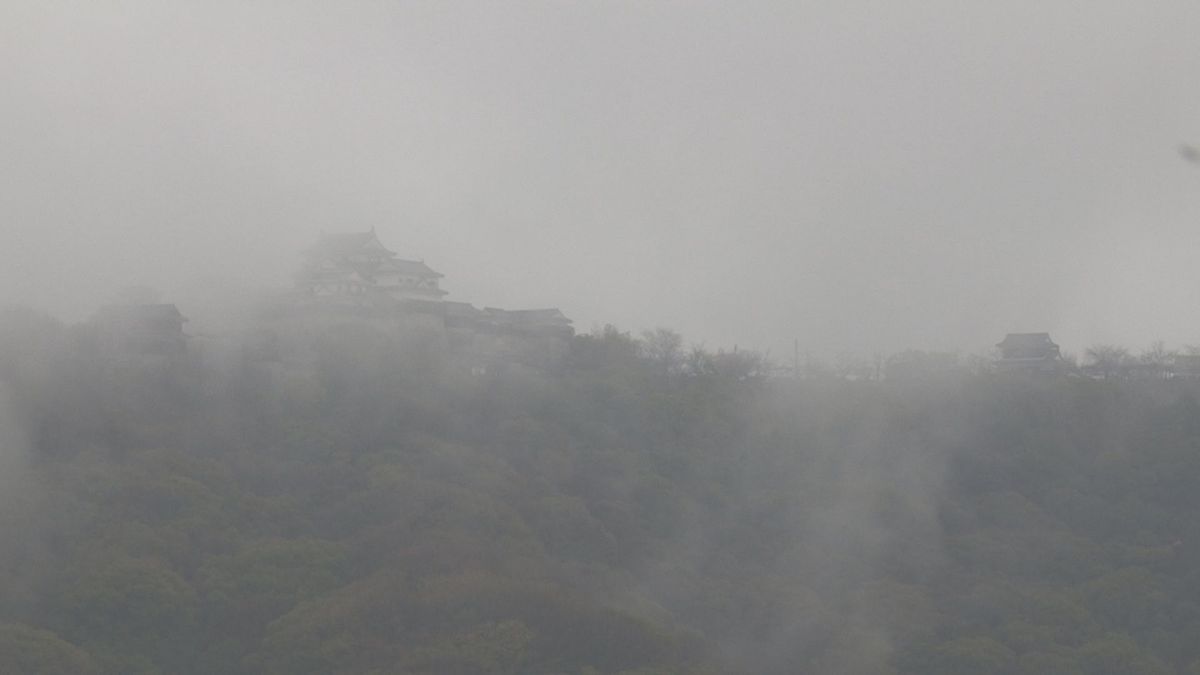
x: 24, y: 649
x: 136, y: 606
x: 976, y: 655
x: 663, y: 348
x: 1119, y: 654
x: 1157, y: 359
x: 1107, y: 361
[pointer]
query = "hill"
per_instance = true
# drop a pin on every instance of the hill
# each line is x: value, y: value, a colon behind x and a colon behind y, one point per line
x: 378, y: 507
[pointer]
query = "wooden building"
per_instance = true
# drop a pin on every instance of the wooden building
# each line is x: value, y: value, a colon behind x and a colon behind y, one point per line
x: 352, y: 279
x: 141, y: 328
x: 357, y: 266
x: 1028, y: 352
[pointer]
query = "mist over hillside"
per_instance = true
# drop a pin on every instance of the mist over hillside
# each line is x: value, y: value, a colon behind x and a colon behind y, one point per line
x: 599, y: 338
x: 350, y: 499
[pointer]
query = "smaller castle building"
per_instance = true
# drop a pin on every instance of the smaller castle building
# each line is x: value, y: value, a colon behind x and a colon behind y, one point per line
x: 1028, y: 352
x: 141, y: 328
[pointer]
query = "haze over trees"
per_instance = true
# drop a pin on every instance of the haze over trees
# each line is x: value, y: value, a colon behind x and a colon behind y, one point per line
x: 635, y: 507
x: 386, y: 470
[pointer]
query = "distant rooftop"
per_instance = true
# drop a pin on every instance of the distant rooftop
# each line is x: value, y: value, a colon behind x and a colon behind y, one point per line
x: 140, y: 312
x: 1033, y: 352
x: 345, y: 244
x: 1027, y: 341
x: 414, y: 268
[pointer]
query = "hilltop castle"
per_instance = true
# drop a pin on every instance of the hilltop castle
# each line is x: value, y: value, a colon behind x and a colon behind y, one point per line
x: 355, y: 269
x: 1028, y: 352
x: 353, y: 278
x: 357, y: 265
x: 352, y: 281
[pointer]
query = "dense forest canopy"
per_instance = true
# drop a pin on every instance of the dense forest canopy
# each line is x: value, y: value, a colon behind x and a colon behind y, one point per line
x: 634, y: 507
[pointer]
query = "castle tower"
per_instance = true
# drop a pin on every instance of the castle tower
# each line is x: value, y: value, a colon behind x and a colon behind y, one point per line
x: 358, y: 265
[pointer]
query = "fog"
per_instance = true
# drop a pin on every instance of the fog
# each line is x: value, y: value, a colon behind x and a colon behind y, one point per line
x: 356, y: 480
x: 13, y: 455
x: 853, y: 175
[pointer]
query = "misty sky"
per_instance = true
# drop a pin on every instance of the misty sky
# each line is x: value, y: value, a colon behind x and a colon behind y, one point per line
x: 858, y: 175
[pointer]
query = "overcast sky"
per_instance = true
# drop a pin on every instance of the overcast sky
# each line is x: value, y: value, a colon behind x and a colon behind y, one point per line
x: 856, y: 175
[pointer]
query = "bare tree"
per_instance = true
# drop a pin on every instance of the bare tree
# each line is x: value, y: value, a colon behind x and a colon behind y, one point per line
x: 664, y: 348
x: 1157, y: 360
x: 1107, y: 360
x: 850, y: 366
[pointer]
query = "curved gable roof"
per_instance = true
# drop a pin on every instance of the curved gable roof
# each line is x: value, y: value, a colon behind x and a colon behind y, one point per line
x: 347, y: 244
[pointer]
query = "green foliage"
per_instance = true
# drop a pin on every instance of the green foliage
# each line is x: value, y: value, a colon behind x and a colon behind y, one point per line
x: 488, y: 648
x: 359, y: 500
x: 24, y: 649
x: 127, y: 599
x: 982, y: 655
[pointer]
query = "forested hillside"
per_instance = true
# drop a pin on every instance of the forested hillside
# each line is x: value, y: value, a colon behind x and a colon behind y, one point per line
x: 377, y: 507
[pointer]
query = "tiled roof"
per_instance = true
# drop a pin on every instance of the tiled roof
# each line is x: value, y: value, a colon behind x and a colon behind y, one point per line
x: 347, y: 243
x: 1027, y: 341
x: 156, y: 312
x: 414, y: 268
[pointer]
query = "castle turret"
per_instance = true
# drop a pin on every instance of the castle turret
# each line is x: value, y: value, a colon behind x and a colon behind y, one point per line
x: 357, y: 264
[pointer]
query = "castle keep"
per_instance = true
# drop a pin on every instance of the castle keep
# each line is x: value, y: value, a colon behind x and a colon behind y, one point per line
x: 353, y: 278
x: 357, y: 265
